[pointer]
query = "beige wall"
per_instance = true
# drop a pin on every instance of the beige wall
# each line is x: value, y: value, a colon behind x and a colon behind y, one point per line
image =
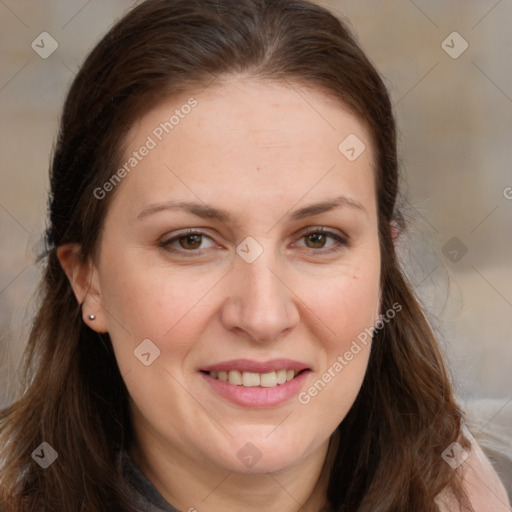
x: 455, y: 135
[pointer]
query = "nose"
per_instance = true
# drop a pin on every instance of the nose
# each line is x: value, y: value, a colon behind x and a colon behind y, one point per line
x: 261, y: 305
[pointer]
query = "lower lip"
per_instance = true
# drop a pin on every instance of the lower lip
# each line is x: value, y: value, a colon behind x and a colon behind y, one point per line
x: 257, y: 397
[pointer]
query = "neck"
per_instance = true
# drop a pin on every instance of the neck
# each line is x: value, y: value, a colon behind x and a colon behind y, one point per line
x: 189, y: 486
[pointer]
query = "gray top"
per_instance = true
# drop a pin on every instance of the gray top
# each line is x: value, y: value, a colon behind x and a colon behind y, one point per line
x: 145, y: 493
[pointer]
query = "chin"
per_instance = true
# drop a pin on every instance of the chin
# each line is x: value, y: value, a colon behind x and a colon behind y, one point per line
x: 262, y: 454
x: 270, y: 462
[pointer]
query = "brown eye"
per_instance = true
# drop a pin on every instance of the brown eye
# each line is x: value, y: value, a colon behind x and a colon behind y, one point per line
x: 190, y: 241
x: 317, y: 240
x: 323, y: 242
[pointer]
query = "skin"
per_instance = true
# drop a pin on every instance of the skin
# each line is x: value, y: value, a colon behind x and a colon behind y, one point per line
x: 258, y: 150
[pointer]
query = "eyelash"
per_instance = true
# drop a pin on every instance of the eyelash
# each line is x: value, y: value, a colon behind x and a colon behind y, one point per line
x: 340, y: 242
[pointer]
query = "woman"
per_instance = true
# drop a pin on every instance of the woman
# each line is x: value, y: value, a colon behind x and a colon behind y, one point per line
x: 224, y: 324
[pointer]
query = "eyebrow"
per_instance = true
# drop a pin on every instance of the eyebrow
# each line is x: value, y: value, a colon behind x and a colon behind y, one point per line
x: 209, y: 212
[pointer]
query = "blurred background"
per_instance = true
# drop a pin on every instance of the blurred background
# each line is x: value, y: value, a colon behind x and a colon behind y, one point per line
x: 448, y: 66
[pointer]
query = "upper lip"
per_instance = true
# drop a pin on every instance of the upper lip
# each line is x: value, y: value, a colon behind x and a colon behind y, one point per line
x: 249, y: 365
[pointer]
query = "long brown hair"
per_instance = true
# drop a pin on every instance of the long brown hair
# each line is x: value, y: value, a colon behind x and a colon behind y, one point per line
x: 73, y: 396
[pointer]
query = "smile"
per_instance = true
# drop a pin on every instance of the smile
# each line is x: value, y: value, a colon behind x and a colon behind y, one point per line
x: 252, y: 379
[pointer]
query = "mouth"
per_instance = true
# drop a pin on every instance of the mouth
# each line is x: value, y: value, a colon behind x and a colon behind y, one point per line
x: 270, y: 379
x: 256, y: 384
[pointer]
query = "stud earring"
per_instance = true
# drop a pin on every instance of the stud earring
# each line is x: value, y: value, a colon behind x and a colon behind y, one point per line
x: 91, y: 317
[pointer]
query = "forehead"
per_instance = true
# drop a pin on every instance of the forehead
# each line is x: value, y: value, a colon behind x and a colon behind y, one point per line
x: 246, y: 140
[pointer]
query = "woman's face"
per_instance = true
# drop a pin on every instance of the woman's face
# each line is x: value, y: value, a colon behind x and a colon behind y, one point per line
x: 251, y: 294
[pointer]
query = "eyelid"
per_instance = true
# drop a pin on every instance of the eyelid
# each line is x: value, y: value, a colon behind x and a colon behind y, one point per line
x: 182, y: 233
x: 309, y: 230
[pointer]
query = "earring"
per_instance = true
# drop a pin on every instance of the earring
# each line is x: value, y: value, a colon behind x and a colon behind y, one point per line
x: 91, y: 317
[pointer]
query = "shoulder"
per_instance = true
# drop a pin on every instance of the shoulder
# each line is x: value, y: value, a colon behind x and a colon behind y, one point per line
x: 481, y: 483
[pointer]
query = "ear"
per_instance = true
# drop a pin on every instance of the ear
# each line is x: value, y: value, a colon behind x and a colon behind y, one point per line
x: 396, y: 233
x: 83, y: 278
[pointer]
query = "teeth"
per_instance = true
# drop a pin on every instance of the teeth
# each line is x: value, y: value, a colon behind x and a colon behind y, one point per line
x: 268, y: 380
x: 281, y: 376
x: 235, y: 378
x: 251, y: 379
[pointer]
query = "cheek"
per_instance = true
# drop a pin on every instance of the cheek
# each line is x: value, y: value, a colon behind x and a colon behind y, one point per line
x: 347, y: 305
x: 348, y: 308
x: 155, y: 303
